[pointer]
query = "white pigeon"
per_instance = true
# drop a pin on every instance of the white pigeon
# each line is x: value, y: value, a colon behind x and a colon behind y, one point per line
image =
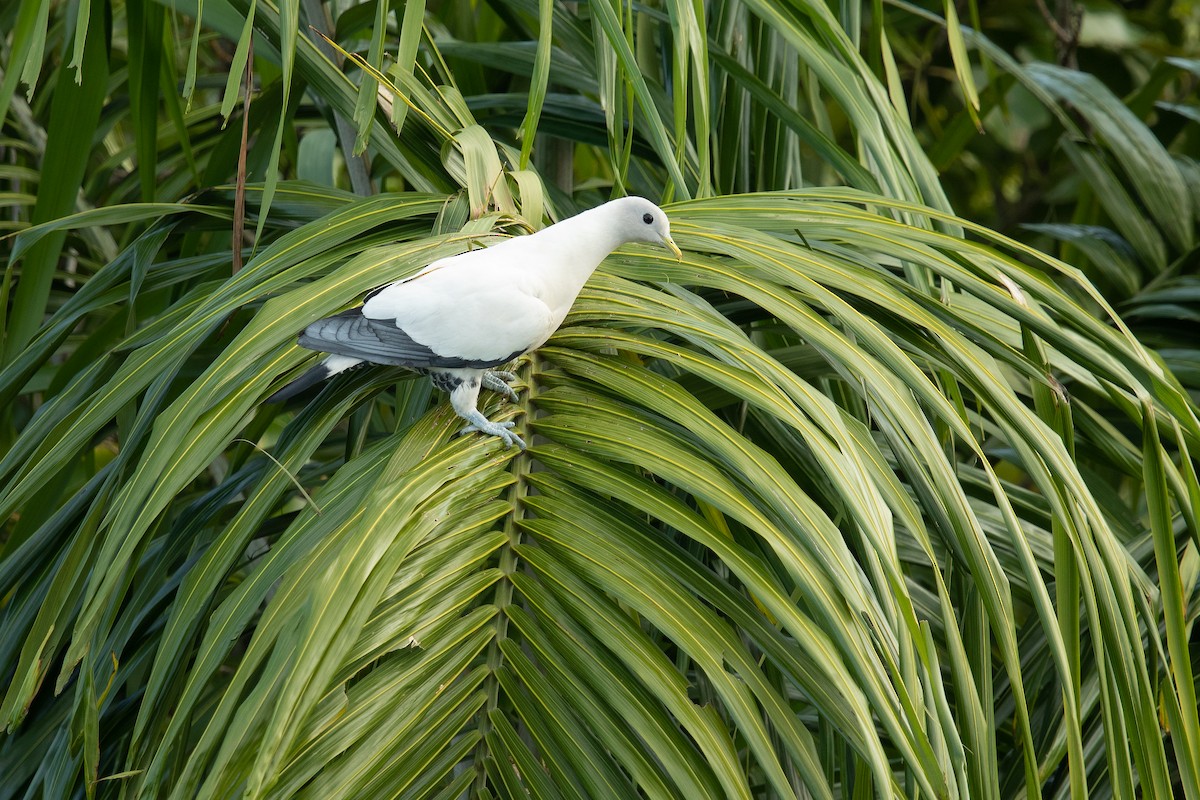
x: 461, y: 316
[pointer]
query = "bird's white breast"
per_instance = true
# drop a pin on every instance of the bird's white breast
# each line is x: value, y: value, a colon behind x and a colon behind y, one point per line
x: 469, y: 307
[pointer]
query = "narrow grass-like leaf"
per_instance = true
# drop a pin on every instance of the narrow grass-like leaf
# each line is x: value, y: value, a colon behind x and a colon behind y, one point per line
x: 238, y: 64
x: 146, y: 28
x: 1146, y: 163
x: 26, y: 47
x: 364, y: 109
x: 1126, y: 216
x: 117, y: 215
x: 538, y: 81
x: 411, y: 26
x: 962, y: 64
x: 1185, y: 732
x: 74, y: 114
x: 607, y: 19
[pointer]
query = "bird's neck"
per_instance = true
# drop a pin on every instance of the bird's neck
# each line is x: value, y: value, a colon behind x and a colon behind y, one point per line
x: 575, y: 247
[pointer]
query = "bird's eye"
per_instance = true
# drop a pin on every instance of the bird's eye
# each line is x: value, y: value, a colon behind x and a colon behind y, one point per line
x: 648, y: 218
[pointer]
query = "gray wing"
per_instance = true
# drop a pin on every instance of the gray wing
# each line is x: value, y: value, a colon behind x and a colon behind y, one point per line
x: 380, y: 341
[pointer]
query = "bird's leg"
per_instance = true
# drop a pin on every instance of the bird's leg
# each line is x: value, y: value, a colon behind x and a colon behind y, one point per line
x: 463, y: 398
x: 498, y: 381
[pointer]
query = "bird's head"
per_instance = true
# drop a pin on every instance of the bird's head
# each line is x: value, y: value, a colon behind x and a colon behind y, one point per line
x: 640, y: 220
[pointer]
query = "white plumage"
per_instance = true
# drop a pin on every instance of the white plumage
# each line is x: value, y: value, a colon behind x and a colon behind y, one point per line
x: 462, y: 316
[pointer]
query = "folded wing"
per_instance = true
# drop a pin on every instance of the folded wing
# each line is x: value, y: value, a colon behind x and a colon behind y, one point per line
x: 383, y: 342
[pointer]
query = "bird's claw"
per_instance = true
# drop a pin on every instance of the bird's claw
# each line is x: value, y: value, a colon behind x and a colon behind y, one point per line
x: 500, y: 429
x: 473, y: 428
x: 498, y: 381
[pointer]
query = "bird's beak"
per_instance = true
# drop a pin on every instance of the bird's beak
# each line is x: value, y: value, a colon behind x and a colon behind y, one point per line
x: 674, y: 248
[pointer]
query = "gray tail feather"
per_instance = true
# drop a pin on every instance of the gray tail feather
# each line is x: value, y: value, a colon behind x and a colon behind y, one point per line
x: 311, y: 378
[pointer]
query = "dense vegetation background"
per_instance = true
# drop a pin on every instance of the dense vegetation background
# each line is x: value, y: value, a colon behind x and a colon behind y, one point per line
x: 885, y: 489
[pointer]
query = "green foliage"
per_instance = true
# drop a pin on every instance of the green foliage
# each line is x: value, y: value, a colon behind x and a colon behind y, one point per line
x: 861, y: 497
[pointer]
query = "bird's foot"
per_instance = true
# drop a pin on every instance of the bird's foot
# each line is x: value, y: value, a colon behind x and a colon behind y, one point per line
x: 498, y: 381
x: 481, y: 424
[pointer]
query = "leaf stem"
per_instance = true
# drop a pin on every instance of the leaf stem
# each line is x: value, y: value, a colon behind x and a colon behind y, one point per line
x: 504, y: 587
